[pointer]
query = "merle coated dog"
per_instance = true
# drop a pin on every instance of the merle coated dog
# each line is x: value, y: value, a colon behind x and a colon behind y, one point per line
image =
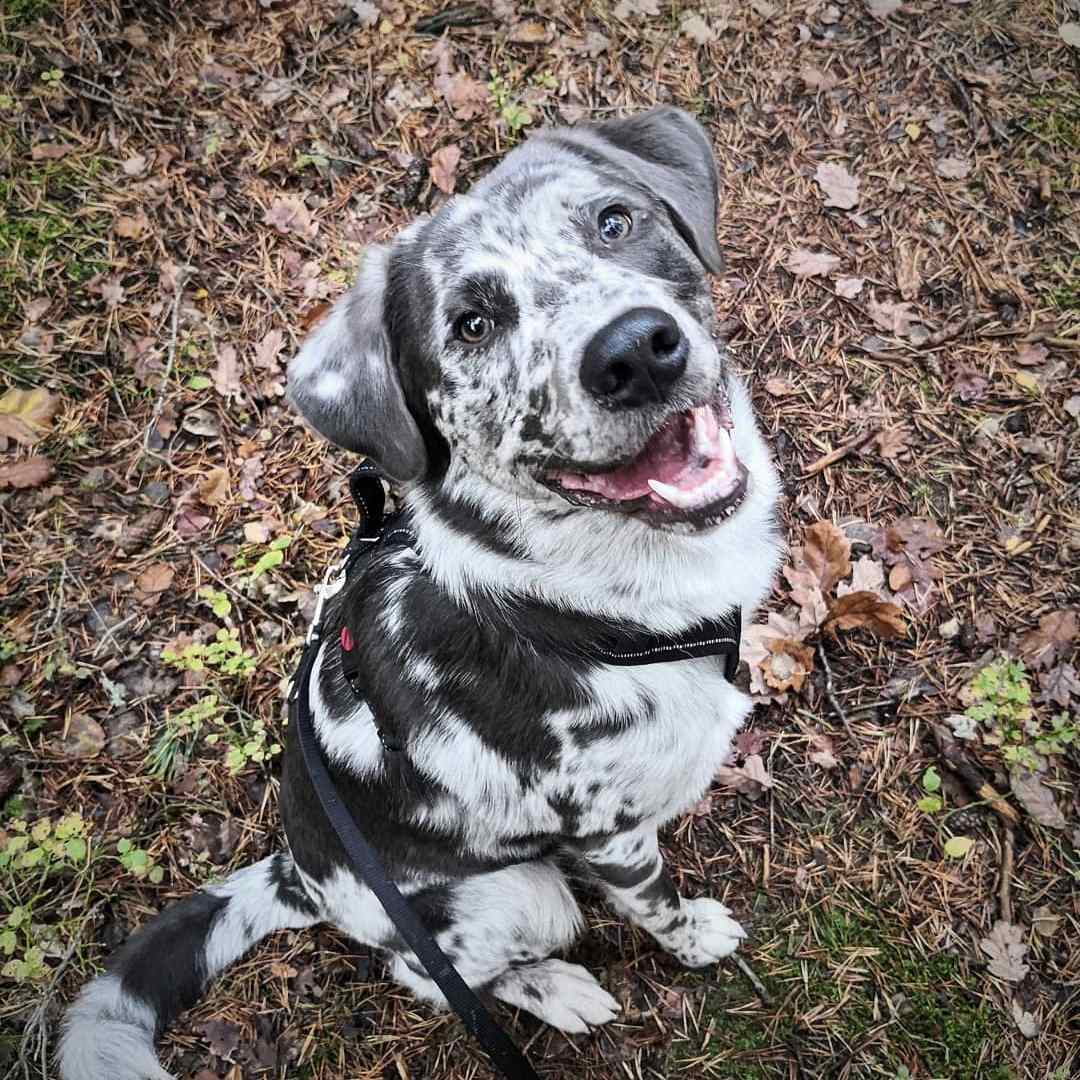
x: 534, y: 366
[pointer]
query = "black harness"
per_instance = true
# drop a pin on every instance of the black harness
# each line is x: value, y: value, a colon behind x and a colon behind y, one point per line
x: 620, y: 647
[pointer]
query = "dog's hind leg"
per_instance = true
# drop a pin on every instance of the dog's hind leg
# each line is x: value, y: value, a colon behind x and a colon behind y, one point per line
x: 499, y: 930
x: 110, y: 1029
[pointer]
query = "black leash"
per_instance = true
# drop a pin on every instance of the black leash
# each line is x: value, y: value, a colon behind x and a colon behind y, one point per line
x: 712, y: 637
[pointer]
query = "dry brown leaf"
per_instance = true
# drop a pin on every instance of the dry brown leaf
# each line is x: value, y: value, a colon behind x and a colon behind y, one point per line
x: 882, y: 9
x: 952, y: 167
x: 26, y: 415
x: 214, y: 489
x: 290, y: 215
x: 530, y: 33
x: 908, y: 279
x: 30, y: 472
x: 227, y: 373
x: 894, y: 318
x: 1044, y: 921
x: 1006, y: 949
x: 266, y: 352
x: 970, y: 386
x: 131, y: 228
x: 1069, y: 32
x: 156, y: 578
x: 778, y: 387
x: 788, y: 664
x: 826, y: 553
x: 803, y: 262
x: 1036, y: 798
x: 84, y: 737
x: 840, y: 187
x: 444, y: 167
x: 867, y: 575
x: 849, y: 287
x: 466, y: 96
x: 824, y: 753
x: 50, y: 151
x: 866, y: 611
x: 1031, y: 354
x: 748, y: 779
x: 893, y: 442
x: 1053, y: 639
x: 816, y: 79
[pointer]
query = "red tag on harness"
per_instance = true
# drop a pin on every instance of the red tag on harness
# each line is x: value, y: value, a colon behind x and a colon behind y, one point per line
x: 346, y: 639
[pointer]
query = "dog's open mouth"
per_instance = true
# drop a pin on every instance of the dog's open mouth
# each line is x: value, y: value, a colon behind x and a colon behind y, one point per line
x: 687, y: 471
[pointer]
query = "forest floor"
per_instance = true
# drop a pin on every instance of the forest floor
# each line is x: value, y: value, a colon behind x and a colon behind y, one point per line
x: 183, y: 186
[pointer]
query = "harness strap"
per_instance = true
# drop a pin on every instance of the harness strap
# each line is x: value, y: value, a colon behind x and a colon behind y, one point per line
x: 505, y: 1057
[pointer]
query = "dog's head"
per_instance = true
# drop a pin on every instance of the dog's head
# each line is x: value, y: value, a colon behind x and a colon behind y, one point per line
x: 549, y: 333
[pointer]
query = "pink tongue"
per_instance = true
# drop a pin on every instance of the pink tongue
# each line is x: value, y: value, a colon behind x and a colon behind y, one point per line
x: 666, y: 457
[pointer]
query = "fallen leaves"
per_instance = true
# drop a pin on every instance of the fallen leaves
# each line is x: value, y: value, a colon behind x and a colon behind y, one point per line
x: 290, y: 215
x: 444, y: 167
x: 953, y: 168
x: 1053, y: 638
x: 83, y: 737
x: 803, y: 262
x: 849, y: 287
x: 28, y: 473
x: 227, y: 373
x: 826, y: 553
x: 1069, y: 32
x: 866, y: 611
x: 892, y: 317
x: 841, y: 189
x: 214, y: 489
x: 156, y: 578
x: 1036, y: 798
x: 26, y: 416
x: 788, y: 665
x: 750, y: 778
x: 1006, y: 948
x: 882, y: 9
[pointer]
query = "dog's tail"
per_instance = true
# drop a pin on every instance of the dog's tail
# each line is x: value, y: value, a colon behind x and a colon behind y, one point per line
x: 110, y: 1029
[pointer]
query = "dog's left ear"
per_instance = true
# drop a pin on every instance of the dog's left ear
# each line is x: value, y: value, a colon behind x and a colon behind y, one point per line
x: 668, y: 151
x: 344, y: 380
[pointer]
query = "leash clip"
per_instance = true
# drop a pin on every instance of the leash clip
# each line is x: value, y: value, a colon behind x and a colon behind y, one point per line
x: 331, y: 584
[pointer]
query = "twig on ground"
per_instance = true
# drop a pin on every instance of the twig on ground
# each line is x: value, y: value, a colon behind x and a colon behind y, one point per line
x: 965, y: 323
x: 830, y: 695
x: 841, y: 452
x: 106, y: 97
x: 1008, y: 845
x: 182, y: 274
x: 755, y: 982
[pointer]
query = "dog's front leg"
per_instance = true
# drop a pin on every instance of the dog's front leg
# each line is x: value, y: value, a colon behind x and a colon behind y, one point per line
x: 632, y: 874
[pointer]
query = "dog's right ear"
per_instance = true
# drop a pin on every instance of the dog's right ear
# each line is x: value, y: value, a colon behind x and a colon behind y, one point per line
x: 345, y: 384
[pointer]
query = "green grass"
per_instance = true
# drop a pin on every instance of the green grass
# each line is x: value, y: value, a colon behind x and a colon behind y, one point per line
x: 853, y: 995
x: 40, y: 234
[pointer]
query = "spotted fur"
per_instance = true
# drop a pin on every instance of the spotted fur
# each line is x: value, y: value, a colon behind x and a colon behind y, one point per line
x: 519, y: 755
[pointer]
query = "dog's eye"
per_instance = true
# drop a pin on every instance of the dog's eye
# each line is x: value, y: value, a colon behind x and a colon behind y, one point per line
x: 472, y: 328
x: 615, y: 223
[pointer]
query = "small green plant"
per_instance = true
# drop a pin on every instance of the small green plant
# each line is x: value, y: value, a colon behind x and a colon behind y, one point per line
x: 273, y: 556
x: 512, y: 113
x: 219, y: 602
x: 224, y: 655
x: 173, y: 746
x: 52, y: 76
x: 30, y: 856
x: 9, y: 648
x: 246, y: 747
x: 930, y: 803
x: 998, y: 699
x: 137, y: 861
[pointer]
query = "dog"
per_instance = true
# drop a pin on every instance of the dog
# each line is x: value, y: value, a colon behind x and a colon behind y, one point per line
x: 534, y: 366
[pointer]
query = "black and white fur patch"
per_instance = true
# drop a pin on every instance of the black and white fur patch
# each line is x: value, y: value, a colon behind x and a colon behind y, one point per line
x: 515, y: 753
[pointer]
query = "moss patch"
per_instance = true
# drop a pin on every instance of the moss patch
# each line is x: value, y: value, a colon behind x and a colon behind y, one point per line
x: 847, y: 995
x: 45, y: 239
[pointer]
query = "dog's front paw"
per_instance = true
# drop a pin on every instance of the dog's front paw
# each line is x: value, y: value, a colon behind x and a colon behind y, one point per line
x: 710, y: 933
x: 566, y: 996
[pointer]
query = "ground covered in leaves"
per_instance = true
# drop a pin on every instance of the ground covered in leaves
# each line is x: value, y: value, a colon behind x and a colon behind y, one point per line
x: 183, y: 186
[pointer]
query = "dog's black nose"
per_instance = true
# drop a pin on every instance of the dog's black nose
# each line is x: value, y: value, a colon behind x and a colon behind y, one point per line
x: 635, y: 359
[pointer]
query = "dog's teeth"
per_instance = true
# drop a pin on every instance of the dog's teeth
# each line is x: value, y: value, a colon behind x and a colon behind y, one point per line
x: 671, y: 494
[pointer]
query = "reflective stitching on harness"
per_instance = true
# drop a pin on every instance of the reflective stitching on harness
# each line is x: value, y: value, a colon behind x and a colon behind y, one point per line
x: 665, y: 648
